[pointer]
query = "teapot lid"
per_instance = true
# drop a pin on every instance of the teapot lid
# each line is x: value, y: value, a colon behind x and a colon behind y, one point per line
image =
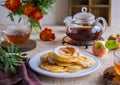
x: 83, y: 16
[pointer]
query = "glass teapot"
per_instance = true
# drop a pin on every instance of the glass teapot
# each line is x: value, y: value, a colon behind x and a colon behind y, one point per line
x: 83, y: 27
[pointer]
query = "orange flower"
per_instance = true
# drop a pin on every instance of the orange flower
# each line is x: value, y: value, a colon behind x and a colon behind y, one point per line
x: 47, y: 35
x: 28, y: 8
x: 31, y: 11
x: 13, y: 5
x: 36, y: 14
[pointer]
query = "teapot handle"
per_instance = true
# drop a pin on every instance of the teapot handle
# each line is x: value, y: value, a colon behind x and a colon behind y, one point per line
x: 2, y: 36
x: 2, y: 32
x: 104, y: 23
x: 67, y: 21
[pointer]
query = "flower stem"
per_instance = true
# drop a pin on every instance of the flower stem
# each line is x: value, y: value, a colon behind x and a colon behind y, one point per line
x: 39, y: 26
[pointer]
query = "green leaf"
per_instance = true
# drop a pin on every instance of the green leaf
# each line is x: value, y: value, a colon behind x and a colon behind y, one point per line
x: 11, y: 16
x: 7, y: 65
x: 12, y: 48
x: 2, y: 55
x: 2, y: 58
x: 13, y: 58
x: 19, y: 19
x: 23, y: 54
x: 16, y: 61
x: 17, y: 64
x: 13, y: 69
x: 2, y: 52
x: 111, y: 44
x: 8, y: 49
x: 17, y: 50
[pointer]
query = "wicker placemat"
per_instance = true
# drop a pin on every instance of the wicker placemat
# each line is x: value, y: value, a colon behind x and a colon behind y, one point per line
x: 29, y: 45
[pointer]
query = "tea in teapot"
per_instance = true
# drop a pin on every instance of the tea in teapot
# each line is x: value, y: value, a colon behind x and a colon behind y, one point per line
x: 86, y: 33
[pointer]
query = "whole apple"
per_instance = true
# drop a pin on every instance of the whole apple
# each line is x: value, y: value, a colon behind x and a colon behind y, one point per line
x: 99, y: 49
x: 117, y: 38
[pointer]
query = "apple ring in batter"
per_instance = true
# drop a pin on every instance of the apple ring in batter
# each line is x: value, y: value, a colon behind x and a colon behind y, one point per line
x: 65, y: 54
x: 50, y: 67
x: 85, y: 61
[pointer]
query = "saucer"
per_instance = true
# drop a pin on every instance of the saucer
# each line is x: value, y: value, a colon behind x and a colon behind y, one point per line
x: 29, y: 45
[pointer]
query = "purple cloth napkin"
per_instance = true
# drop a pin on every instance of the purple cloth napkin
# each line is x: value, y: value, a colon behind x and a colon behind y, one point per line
x: 24, y: 76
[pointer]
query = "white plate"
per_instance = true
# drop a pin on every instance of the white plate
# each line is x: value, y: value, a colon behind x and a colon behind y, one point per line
x: 35, y: 61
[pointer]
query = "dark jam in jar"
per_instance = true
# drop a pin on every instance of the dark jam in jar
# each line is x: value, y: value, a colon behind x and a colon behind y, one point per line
x: 84, y: 33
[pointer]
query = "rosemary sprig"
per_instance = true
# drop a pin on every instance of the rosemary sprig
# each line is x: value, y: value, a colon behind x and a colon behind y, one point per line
x: 12, y: 58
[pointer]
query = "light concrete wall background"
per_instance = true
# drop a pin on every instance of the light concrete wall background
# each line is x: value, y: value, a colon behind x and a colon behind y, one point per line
x: 61, y: 11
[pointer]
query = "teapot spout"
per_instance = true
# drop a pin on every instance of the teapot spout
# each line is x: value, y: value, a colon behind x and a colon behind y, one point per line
x: 68, y: 20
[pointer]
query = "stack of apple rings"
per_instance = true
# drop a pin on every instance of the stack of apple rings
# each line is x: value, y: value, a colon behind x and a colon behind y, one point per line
x: 65, y: 59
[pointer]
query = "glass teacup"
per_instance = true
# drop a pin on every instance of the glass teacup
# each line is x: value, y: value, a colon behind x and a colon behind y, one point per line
x: 17, y: 33
x: 116, y: 59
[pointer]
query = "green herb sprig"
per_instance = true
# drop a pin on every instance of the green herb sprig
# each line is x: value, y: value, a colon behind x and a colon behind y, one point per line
x: 12, y: 58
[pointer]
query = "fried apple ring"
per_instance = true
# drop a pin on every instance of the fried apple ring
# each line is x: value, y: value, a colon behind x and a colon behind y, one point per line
x: 67, y: 54
x: 50, y: 67
x: 74, y: 68
x: 85, y: 61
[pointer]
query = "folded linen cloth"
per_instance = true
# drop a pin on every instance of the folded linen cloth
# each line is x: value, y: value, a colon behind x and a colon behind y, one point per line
x: 24, y: 76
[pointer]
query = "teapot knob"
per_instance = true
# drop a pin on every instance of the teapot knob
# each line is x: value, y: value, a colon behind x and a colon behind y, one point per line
x: 84, y: 9
x: 104, y: 24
